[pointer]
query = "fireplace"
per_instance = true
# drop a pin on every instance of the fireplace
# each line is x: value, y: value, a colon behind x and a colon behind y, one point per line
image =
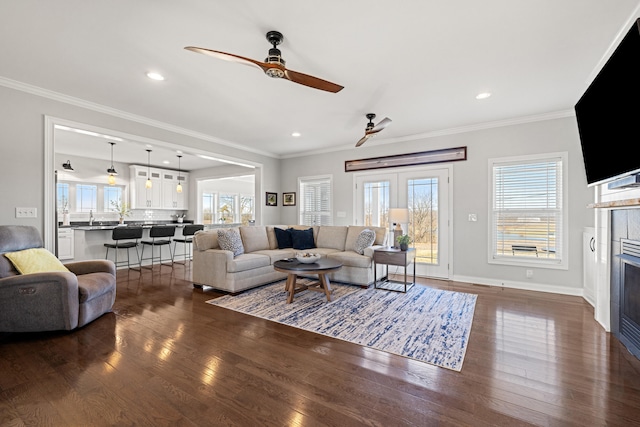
x: 629, y: 295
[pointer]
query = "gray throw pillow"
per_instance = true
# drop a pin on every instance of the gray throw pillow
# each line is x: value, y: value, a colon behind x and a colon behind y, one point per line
x: 364, y: 240
x: 230, y: 240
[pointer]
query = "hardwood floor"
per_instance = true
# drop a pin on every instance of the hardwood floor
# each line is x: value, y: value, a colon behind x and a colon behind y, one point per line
x: 164, y: 357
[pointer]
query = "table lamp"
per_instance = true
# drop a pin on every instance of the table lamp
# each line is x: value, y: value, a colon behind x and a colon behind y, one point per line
x: 398, y: 216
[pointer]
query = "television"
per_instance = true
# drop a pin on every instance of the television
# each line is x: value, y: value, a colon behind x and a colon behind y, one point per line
x: 608, y: 115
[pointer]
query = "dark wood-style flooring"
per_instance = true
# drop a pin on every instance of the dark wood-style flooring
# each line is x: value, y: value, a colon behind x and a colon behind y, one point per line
x: 165, y: 358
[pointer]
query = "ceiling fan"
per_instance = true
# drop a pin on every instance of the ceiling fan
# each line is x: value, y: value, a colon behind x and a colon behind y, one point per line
x: 273, y: 65
x: 372, y: 129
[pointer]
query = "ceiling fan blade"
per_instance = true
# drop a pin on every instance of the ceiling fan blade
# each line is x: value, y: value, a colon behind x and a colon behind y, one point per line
x: 381, y: 125
x: 363, y: 140
x: 314, y: 82
x: 229, y: 57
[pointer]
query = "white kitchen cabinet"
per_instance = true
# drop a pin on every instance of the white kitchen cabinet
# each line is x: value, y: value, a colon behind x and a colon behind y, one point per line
x: 141, y: 196
x: 589, y: 264
x: 65, y: 243
x: 171, y: 199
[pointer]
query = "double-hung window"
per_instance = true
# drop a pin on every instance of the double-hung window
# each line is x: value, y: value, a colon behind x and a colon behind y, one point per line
x: 527, y: 211
x: 315, y: 200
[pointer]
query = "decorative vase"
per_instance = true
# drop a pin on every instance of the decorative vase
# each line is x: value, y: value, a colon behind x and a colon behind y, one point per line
x: 65, y: 218
x: 404, y: 246
x: 121, y: 220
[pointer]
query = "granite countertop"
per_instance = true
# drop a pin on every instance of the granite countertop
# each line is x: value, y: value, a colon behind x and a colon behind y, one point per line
x: 110, y: 225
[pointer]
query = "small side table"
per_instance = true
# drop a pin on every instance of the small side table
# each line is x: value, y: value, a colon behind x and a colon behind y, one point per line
x: 392, y: 256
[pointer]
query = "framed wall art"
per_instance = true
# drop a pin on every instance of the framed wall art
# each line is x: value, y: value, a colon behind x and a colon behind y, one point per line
x: 272, y: 199
x: 288, y: 199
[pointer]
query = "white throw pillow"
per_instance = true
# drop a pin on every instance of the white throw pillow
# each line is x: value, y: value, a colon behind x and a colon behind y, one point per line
x: 364, y: 240
x: 229, y: 240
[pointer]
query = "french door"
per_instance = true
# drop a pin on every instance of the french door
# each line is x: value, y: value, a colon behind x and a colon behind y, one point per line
x: 425, y: 192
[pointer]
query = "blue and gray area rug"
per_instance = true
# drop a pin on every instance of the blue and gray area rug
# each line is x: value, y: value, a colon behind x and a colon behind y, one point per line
x: 426, y: 324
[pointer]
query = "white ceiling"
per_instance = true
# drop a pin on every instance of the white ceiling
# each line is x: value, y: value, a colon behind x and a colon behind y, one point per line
x: 418, y: 62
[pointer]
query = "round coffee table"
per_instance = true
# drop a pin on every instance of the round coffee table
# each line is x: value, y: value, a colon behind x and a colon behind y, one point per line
x: 293, y: 268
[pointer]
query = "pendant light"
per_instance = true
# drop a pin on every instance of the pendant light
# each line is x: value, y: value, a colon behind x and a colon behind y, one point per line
x: 111, y: 179
x: 67, y: 166
x: 148, y: 184
x: 179, y: 187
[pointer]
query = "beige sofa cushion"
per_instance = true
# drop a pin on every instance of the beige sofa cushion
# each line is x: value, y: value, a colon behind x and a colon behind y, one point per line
x: 332, y: 237
x: 204, y: 240
x: 354, y: 232
x: 254, y: 238
x: 246, y: 262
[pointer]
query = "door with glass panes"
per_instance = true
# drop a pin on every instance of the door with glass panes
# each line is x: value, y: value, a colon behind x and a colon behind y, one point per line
x: 425, y: 192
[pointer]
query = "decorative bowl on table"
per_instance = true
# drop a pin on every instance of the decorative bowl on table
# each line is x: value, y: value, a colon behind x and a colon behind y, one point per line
x: 307, y: 257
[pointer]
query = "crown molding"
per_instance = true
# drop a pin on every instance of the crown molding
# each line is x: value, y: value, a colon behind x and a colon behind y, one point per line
x: 60, y: 97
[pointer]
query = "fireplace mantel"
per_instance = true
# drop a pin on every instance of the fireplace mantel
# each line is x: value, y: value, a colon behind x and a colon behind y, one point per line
x: 615, y: 204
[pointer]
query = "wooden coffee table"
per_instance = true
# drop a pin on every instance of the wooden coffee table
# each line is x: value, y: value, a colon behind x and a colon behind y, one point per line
x: 293, y: 268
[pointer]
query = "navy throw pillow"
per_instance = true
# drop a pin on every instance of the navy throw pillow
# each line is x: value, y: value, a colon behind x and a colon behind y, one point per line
x: 284, y: 238
x: 302, y: 239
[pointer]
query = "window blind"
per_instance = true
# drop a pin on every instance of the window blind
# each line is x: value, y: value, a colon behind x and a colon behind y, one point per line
x: 315, y: 201
x: 527, y: 215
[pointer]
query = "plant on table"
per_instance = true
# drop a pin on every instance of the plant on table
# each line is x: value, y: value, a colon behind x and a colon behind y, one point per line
x: 122, y: 208
x: 404, y: 241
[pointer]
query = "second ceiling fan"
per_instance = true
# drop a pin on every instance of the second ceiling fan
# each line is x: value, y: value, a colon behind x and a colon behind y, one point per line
x: 371, y: 129
x: 273, y: 65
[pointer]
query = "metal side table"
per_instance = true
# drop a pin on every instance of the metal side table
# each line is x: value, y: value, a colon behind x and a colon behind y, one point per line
x: 392, y: 256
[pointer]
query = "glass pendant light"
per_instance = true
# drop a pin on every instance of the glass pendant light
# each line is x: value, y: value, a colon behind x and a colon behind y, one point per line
x: 148, y: 184
x: 179, y: 187
x: 111, y: 179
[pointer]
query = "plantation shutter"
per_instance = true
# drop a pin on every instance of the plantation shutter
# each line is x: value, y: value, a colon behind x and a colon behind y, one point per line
x: 315, y: 201
x: 527, y: 214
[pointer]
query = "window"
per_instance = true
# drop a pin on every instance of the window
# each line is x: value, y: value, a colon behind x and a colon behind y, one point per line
x: 112, y: 196
x: 208, y: 208
x: 227, y: 208
x: 527, y: 211
x: 86, y: 197
x: 62, y: 194
x: 315, y: 200
x: 247, y: 209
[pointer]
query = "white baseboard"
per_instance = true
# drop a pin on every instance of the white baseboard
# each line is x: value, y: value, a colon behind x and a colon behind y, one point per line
x: 527, y: 286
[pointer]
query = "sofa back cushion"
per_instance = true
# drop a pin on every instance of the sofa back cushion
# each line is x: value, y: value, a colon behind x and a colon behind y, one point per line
x: 15, y: 238
x: 354, y: 233
x: 254, y: 238
x: 332, y: 237
x: 204, y: 240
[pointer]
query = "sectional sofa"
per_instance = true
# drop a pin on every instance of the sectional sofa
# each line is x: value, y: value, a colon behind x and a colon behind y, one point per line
x: 251, y: 265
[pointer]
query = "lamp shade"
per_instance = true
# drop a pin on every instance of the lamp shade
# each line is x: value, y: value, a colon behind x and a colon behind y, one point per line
x: 398, y: 216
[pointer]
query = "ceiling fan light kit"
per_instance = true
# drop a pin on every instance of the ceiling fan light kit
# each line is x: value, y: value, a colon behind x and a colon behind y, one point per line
x: 274, y: 64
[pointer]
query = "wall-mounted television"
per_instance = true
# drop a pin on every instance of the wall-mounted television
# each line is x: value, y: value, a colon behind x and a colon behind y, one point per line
x: 608, y: 114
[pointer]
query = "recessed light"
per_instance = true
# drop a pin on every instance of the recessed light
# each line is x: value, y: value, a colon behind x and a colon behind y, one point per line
x: 483, y: 95
x: 166, y: 162
x: 296, y: 134
x: 155, y: 76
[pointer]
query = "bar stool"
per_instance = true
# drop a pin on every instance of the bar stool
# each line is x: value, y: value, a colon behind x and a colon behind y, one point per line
x: 187, y: 239
x: 158, y: 237
x: 130, y: 235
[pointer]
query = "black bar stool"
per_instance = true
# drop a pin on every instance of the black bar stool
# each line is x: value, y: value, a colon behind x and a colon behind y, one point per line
x: 187, y: 239
x: 160, y: 235
x: 124, y: 238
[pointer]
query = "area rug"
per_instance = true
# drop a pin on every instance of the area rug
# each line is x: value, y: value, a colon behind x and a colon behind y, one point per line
x: 426, y: 324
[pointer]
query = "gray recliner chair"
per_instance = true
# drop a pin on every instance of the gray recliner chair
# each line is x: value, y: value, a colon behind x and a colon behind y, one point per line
x: 51, y: 301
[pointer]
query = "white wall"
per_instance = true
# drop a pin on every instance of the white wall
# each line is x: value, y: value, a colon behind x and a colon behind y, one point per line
x: 471, y: 193
x: 22, y: 149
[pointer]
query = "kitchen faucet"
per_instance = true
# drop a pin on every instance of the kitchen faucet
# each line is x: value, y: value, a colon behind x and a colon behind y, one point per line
x: 90, y: 217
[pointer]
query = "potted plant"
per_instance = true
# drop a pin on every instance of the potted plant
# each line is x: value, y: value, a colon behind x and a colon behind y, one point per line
x: 122, y: 208
x: 404, y: 241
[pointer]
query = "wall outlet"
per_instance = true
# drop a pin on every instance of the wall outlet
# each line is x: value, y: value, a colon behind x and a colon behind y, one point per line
x: 529, y: 274
x: 473, y: 217
x: 26, y: 212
